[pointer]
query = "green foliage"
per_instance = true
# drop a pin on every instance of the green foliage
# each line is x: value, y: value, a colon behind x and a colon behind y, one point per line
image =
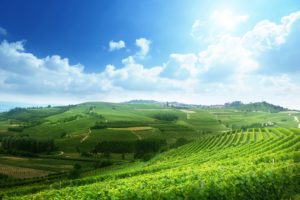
x: 179, y: 142
x: 251, y: 162
x: 3, y: 177
x: 226, y: 166
x: 102, y: 163
x: 33, y: 114
x: 258, y: 106
x: 27, y: 144
x: 99, y: 125
x: 139, y: 147
x: 166, y: 116
x: 114, y: 147
x: 75, y: 172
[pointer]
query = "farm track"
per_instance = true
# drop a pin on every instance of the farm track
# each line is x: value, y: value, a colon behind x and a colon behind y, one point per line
x: 137, y: 135
x: 86, y: 137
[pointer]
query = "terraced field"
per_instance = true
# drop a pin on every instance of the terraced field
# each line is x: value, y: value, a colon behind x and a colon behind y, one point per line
x: 259, y: 163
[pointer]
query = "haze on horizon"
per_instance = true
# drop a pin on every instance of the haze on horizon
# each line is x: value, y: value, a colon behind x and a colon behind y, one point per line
x: 65, y: 52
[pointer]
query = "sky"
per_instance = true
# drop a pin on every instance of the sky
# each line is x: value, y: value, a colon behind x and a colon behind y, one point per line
x: 192, y: 51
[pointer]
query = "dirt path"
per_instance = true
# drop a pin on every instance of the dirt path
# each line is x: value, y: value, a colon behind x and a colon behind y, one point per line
x: 137, y: 135
x: 86, y: 137
x: 296, y: 119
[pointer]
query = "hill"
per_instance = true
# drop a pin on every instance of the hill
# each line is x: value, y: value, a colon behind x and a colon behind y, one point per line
x: 249, y: 107
x: 255, y: 107
x: 256, y: 164
x: 139, y: 101
x: 107, y: 147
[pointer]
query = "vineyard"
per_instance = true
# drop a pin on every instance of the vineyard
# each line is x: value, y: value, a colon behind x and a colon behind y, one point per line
x: 259, y: 163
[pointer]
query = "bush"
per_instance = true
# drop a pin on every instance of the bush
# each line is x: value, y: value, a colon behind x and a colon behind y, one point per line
x: 179, y: 142
x: 99, y: 125
x: 3, y: 176
x: 86, y: 154
x: 102, y: 163
x: 27, y: 144
x: 75, y: 172
x: 166, y: 116
x: 147, y: 156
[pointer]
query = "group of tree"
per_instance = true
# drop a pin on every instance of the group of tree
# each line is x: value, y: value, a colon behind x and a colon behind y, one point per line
x: 166, y: 116
x: 33, y: 114
x: 244, y: 127
x: 75, y: 172
x: 140, y: 148
x: 27, y: 144
x: 257, y: 106
x: 99, y: 125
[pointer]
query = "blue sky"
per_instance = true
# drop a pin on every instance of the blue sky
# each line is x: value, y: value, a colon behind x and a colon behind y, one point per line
x: 204, y: 52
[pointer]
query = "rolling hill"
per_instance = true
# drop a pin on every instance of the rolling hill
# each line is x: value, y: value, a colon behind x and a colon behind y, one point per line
x: 102, y: 150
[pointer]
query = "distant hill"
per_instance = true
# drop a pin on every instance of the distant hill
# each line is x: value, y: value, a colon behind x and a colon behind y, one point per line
x: 6, y: 106
x: 251, y: 107
x: 257, y: 106
x: 140, y: 101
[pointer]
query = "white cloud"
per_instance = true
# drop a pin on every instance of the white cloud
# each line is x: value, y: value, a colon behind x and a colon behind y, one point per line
x: 181, y: 66
x: 195, y: 32
x: 228, y: 69
x: 236, y: 57
x: 218, y: 23
x: 227, y: 19
x: 230, y: 56
x: 3, y: 31
x: 267, y: 35
x: 135, y: 77
x: 144, y: 46
x: 116, y: 45
x: 23, y: 72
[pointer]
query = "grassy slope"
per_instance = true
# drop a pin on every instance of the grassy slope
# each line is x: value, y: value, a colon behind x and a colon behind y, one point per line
x: 227, y: 166
x: 74, y: 131
x: 68, y: 134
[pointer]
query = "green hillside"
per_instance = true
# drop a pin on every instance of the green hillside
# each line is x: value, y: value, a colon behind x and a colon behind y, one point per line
x: 256, y: 164
x: 100, y: 150
x: 257, y: 107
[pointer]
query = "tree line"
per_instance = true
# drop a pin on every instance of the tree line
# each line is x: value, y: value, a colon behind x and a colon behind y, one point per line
x: 27, y: 144
x: 139, y: 147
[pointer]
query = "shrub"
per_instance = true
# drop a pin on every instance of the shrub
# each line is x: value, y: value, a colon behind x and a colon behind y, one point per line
x: 166, y: 116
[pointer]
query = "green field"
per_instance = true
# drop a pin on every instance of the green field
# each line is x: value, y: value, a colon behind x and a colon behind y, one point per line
x: 204, y: 153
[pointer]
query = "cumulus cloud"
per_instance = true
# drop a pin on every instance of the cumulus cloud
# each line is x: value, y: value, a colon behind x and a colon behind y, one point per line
x: 181, y: 66
x: 267, y: 35
x: 23, y: 72
x: 3, y: 31
x: 116, y: 45
x: 234, y: 57
x: 135, y: 77
x: 144, y: 46
x: 227, y: 19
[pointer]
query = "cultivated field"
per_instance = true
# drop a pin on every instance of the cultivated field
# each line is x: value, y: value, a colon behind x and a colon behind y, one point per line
x: 195, y: 153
